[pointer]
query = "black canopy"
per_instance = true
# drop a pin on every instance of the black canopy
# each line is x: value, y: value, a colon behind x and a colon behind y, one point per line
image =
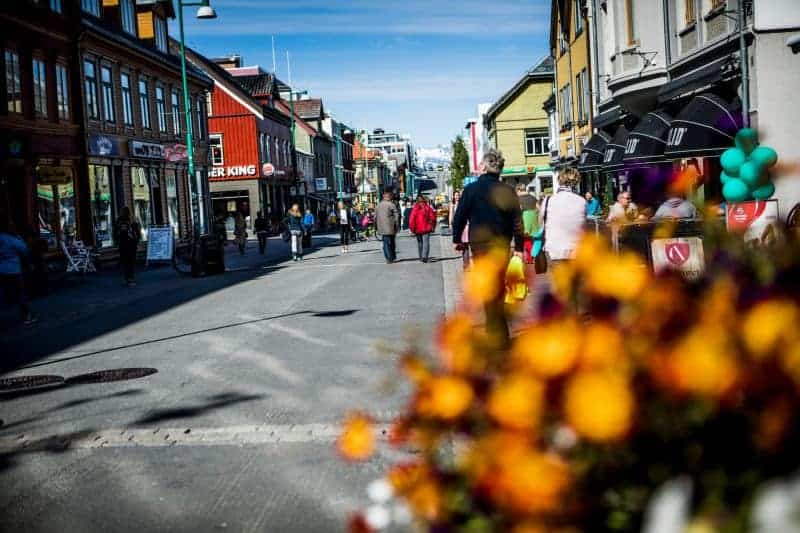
x: 648, y: 139
x: 615, y: 150
x: 593, y: 152
x: 705, y: 127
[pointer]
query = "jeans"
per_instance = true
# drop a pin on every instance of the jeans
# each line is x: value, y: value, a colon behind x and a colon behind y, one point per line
x: 344, y: 234
x: 389, y: 247
x: 297, y: 242
x: 262, y: 241
x: 424, y: 246
x: 127, y: 258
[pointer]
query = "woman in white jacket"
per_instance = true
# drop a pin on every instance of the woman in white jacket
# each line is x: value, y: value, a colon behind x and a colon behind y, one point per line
x: 563, y: 215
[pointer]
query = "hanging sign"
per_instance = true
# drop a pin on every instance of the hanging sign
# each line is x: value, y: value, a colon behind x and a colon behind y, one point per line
x: 268, y: 169
x: 240, y: 171
x: 160, y: 243
x: 321, y: 184
x: 105, y: 145
x: 683, y: 255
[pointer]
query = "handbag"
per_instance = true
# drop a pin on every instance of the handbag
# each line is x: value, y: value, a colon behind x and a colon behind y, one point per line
x: 540, y: 259
x: 286, y: 235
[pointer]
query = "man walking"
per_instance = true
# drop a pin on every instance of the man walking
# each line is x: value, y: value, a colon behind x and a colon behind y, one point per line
x: 12, y: 251
x: 388, y: 221
x: 261, y: 227
x: 492, y: 210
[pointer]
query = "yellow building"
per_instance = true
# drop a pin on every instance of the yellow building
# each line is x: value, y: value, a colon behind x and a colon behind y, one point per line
x: 569, y: 44
x: 517, y: 125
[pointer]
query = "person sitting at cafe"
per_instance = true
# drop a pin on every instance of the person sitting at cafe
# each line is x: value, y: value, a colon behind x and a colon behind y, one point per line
x: 676, y: 207
x: 624, y: 211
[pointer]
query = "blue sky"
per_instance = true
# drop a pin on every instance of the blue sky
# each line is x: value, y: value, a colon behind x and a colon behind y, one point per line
x: 414, y: 66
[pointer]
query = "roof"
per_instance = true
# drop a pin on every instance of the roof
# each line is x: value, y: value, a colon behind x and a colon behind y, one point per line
x: 310, y: 108
x: 284, y: 107
x: 258, y: 85
x: 543, y: 71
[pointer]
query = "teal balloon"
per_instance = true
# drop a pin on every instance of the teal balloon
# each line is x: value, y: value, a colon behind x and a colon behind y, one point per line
x: 736, y: 190
x: 765, y: 156
x: 764, y: 192
x: 724, y: 178
x: 751, y: 173
x: 732, y: 159
x: 747, y: 140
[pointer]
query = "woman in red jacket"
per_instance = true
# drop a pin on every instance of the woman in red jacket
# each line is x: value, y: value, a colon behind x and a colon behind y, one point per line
x: 422, y: 223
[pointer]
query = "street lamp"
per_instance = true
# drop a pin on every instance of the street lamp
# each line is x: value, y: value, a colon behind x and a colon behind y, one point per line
x: 204, y: 11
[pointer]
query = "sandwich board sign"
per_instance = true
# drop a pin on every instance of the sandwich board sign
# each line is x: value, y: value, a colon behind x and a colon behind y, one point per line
x: 683, y: 255
x: 160, y: 243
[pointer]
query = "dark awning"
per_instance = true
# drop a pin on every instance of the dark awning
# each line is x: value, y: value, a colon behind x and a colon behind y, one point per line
x: 697, y: 80
x: 615, y: 150
x: 593, y: 152
x: 705, y: 127
x: 422, y: 185
x: 648, y: 139
x: 607, y: 118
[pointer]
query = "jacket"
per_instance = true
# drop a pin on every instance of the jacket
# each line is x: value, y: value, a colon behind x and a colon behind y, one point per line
x: 491, y: 208
x: 294, y: 222
x: 12, y: 249
x: 260, y: 225
x: 676, y: 208
x: 422, y: 220
x: 128, y: 233
x: 308, y: 221
x: 387, y: 218
x: 566, y: 214
x: 530, y: 214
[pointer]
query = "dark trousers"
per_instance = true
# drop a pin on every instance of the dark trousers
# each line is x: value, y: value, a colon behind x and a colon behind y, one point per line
x: 13, y: 287
x: 389, y: 247
x: 494, y: 308
x: 262, y: 241
x: 344, y: 234
x: 424, y: 246
x: 127, y: 258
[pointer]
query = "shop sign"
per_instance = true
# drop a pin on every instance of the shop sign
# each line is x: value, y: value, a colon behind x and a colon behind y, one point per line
x: 321, y: 184
x: 233, y: 172
x: 160, y: 243
x: 175, y: 153
x: 757, y: 220
x: 292, y: 191
x: 104, y: 145
x: 683, y: 255
x: 268, y: 169
x: 47, y: 175
x: 147, y: 150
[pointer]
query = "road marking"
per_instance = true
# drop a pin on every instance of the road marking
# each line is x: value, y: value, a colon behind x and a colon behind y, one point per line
x: 165, y: 437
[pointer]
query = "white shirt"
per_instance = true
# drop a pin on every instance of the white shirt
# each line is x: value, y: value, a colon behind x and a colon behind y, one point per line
x: 343, y: 217
x: 566, y: 212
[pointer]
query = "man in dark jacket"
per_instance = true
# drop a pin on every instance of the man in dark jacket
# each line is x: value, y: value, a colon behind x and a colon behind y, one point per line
x: 493, y: 212
x: 387, y: 221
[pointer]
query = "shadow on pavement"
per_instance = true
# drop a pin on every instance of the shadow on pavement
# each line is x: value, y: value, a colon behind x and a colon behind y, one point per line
x: 217, y: 401
x: 18, y: 387
x: 54, y: 444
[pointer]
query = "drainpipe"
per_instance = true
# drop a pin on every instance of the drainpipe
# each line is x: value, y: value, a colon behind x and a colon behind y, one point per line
x: 745, y: 65
x: 667, y: 37
x: 593, y: 45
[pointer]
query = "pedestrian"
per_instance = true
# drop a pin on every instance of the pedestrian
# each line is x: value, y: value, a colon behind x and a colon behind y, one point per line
x: 294, y: 222
x: 624, y: 211
x: 261, y: 227
x: 406, y: 214
x: 491, y: 209
x: 356, y: 223
x: 387, y: 222
x: 13, y: 251
x: 422, y: 222
x: 240, y: 231
x: 563, y: 217
x: 463, y: 248
x: 308, y: 228
x: 530, y: 219
x: 593, y: 207
x: 128, y: 233
x: 676, y: 207
x: 344, y: 221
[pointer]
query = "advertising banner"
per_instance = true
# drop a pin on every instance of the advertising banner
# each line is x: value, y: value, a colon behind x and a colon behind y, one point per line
x: 756, y: 220
x: 684, y: 255
x: 105, y: 145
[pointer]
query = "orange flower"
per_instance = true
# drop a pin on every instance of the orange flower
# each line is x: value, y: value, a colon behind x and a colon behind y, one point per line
x: 548, y: 350
x: 599, y: 405
x: 602, y: 347
x: 414, y: 482
x: 458, y: 346
x: 516, y: 402
x: 486, y: 279
x: 444, y: 397
x: 357, y: 441
x: 623, y: 277
x: 770, y: 324
x: 563, y: 277
x: 529, y: 527
x: 414, y: 368
x: 528, y: 483
x: 590, y: 251
x: 702, y: 363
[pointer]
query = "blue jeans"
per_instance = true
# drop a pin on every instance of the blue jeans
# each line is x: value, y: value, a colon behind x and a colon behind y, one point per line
x: 389, y: 249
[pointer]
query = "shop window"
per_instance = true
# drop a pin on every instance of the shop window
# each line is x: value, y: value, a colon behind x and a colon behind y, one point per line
x: 55, y: 6
x: 101, y: 202
x: 536, y: 143
x: 56, y: 210
x: 142, y: 201
x: 91, y: 6
x: 127, y: 99
x: 128, y: 15
x: 107, y: 87
x: 144, y: 104
x: 39, y: 88
x: 217, y: 153
x: 161, y: 110
x: 176, y: 112
x: 90, y: 77
x: 62, y: 92
x: 172, y: 203
x: 13, y: 82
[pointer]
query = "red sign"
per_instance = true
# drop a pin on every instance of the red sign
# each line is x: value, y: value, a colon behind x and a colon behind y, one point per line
x: 741, y: 216
x: 176, y: 153
x: 268, y: 169
x: 677, y: 252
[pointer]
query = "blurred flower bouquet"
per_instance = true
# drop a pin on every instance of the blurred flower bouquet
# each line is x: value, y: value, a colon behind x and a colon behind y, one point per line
x: 622, y: 382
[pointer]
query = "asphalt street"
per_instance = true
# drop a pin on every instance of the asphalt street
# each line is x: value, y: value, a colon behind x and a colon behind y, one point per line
x: 230, y: 420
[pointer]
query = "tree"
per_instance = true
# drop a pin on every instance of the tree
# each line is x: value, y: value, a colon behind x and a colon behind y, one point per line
x: 459, y: 164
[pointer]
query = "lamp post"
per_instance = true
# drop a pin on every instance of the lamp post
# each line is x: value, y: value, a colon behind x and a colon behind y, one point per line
x: 204, y: 11
x: 292, y: 93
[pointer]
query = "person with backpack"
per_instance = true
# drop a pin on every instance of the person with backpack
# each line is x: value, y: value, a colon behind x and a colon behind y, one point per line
x: 422, y: 222
x: 128, y: 233
x: 530, y: 219
x: 261, y: 227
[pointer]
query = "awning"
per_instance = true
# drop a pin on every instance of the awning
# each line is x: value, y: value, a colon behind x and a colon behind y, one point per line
x: 593, y: 151
x: 648, y: 139
x: 607, y: 118
x: 705, y: 127
x: 696, y: 80
x: 615, y: 150
x: 423, y: 185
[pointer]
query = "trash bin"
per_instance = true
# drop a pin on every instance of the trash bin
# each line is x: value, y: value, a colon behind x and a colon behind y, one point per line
x: 209, y: 256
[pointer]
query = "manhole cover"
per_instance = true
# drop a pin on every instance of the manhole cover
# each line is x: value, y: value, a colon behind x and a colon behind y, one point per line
x: 105, y: 376
x: 29, y: 382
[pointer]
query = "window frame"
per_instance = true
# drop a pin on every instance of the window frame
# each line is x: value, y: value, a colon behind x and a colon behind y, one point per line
x: 212, y: 145
x: 91, y: 88
x: 128, y: 116
x: 91, y: 6
x: 543, y: 136
x: 13, y: 74
x: 39, y: 79
x: 107, y: 93
x: 175, y: 107
x: 62, y: 91
x: 144, y: 103
x: 160, y: 33
x: 201, y: 130
x: 689, y: 13
x: 127, y: 15
x: 578, y: 16
x: 56, y: 7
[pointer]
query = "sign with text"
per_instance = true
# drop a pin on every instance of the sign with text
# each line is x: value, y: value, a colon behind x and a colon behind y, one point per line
x: 683, y: 255
x: 756, y: 220
x: 268, y: 169
x: 321, y: 184
x: 147, y: 150
x: 160, y: 243
x: 240, y: 171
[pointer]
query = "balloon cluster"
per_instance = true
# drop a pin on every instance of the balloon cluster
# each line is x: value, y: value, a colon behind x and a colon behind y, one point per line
x: 745, y: 169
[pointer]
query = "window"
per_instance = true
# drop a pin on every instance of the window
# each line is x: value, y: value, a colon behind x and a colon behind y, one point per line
x: 578, y: 9
x: 39, y: 88
x: 144, y: 104
x: 127, y: 99
x: 217, y: 154
x: 629, y: 22
x: 579, y: 91
x: 585, y: 95
x: 91, y: 6
x: 566, y: 106
x: 107, y: 89
x: 55, y: 6
x: 267, y: 151
x: 172, y: 202
x: 160, y: 29
x: 128, y: 15
x: 161, y: 109
x: 201, y: 117
x: 55, y: 205
x: 101, y: 205
x: 62, y: 92
x: 90, y: 77
x: 688, y: 12
x: 209, y: 108
x: 13, y: 82
x: 176, y: 112
x: 536, y: 142
x: 141, y: 198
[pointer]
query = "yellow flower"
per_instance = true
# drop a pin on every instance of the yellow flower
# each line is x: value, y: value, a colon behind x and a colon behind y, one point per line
x: 528, y: 483
x: 770, y: 324
x: 357, y: 441
x: 485, y: 281
x: 458, y: 342
x: 549, y: 349
x: 445, y: 397
x: 703, y: 363
x: 415, y: 369
x: 563, y: 277
x: 602, y: 347
x: 414, y: 482
x: 623, y: 277
x: 591, y: 250
x: 516, y: 402
x: 599, y: 405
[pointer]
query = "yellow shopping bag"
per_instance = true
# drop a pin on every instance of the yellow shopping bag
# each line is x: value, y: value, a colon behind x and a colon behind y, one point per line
x: 516, y: 284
